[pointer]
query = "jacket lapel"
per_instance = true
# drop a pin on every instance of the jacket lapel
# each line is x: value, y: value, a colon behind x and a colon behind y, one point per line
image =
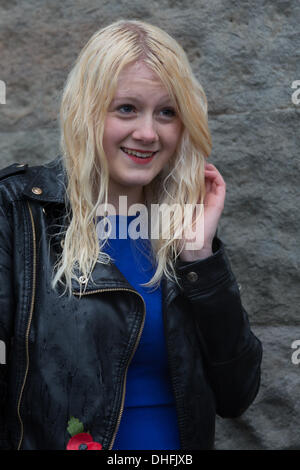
x: 103, y: 277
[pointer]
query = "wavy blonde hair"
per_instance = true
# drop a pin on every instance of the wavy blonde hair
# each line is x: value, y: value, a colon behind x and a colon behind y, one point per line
x: 87, y: 94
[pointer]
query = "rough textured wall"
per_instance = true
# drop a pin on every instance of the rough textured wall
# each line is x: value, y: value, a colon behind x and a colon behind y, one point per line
x: 246, y: 55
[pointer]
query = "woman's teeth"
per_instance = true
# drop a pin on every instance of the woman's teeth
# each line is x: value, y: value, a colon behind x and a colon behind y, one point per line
x: 138, y: 154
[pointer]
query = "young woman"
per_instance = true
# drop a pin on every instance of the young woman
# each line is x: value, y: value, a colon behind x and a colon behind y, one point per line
x: 142, y: 339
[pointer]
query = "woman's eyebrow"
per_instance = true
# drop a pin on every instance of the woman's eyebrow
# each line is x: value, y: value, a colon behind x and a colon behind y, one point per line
x: 125, y: 97
x: 164, y: 99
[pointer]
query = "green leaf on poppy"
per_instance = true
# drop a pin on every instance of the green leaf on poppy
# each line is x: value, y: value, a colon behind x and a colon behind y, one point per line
x: 74, y: 426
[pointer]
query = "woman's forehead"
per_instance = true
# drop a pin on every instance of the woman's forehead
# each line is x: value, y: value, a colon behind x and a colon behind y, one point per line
x: 137, y: 67
x: 134, y: 78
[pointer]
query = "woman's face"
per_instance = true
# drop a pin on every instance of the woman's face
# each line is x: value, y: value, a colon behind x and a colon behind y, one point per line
x: 141, y: 129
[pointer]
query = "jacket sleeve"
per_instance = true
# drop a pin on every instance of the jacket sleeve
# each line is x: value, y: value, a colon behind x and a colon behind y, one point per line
x: 6, y: 314
x: 232, y: 353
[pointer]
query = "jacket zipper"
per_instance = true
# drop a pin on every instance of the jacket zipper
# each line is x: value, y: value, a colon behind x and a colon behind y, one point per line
x: 28, y: 325
x: 131, y: 356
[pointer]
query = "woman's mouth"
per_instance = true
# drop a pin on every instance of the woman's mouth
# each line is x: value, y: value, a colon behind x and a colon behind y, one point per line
x: 139, y: 156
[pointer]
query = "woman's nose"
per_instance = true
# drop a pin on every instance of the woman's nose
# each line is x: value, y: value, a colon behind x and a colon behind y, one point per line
x: 145, y: 130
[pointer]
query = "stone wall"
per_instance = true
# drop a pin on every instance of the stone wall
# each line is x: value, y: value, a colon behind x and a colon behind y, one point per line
x: 246, y: 55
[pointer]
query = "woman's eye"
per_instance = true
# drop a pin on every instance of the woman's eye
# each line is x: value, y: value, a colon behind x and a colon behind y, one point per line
x: 125, y: 108
x: 168, y: 112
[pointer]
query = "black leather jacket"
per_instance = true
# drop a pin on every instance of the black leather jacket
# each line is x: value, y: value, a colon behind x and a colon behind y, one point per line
x: 69, y: 357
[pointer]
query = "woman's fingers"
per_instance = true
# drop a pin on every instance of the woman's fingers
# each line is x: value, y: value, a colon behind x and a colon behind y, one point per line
x: 212, y: 172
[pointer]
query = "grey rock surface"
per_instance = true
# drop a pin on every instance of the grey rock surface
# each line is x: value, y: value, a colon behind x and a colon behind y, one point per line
x: 272, y: 420
x: 246, y: 55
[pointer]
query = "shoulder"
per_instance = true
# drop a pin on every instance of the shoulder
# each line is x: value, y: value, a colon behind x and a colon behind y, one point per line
x: 14, y: 169
x: 18, y: 180
x: 12, y: 182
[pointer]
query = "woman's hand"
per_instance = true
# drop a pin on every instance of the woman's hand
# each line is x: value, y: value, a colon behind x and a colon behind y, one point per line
x: 213, y: 206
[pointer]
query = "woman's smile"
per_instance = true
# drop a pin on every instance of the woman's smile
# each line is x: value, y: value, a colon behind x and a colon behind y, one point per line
x: 140, y: 157
x: 139, y: 153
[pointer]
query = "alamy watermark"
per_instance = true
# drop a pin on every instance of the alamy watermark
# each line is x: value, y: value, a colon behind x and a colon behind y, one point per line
x: 192, y: 214
x: 2, y: 92
x: 2, y: 352
x: 296, y: 94
x: 295, y: 358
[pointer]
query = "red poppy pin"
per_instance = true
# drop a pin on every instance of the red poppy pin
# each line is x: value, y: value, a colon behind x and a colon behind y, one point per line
x: 80, y: 440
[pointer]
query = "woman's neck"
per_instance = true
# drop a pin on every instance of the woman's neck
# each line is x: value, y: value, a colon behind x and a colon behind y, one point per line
x: 122, y: 204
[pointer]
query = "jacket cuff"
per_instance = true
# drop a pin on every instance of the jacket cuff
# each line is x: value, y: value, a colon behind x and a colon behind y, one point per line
x: 203, y: 274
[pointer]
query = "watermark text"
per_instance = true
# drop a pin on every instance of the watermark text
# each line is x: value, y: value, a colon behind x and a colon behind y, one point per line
x: 295, y: 358
x: 172, y: 460
x: 296, y: 94
x: 2, y: 92
x: 160, y: 223
x: 2, y: 352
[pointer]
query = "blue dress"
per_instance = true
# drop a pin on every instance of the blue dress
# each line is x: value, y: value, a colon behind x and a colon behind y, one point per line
x: 149, y: 419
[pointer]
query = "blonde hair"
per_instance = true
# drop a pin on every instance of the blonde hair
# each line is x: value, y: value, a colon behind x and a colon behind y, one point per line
x: 87, y: 94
